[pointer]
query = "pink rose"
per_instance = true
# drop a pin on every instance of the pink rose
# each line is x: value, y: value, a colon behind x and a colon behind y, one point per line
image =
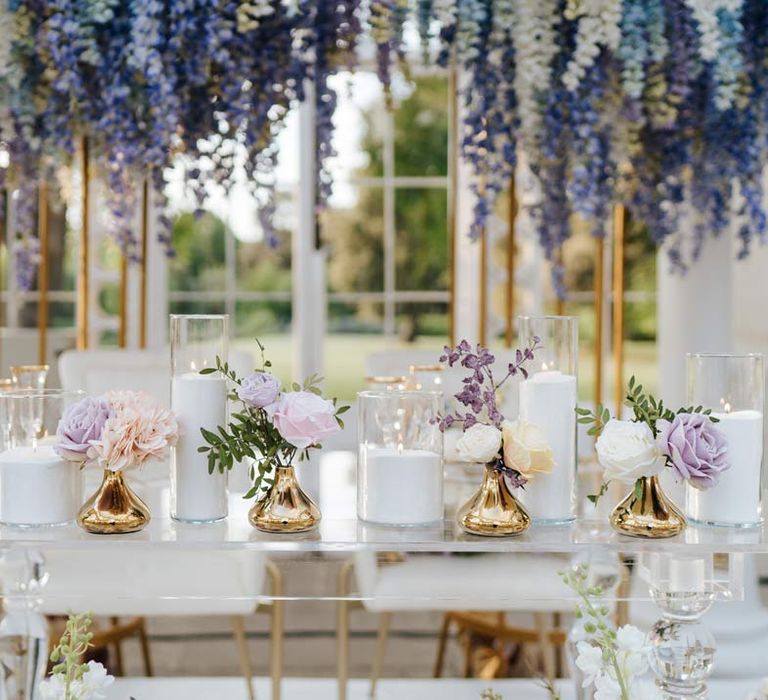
x: 303, y: 418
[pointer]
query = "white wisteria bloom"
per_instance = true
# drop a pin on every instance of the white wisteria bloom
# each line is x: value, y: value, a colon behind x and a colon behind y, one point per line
x: 705, y: 14
x: 250, y: 14
x: 535, y: 48
x: 598, y: 27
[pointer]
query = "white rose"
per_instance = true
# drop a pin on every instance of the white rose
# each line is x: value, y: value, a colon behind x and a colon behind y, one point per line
x: 481, y: 443
x: 627, y: 451
x: 526, y: 448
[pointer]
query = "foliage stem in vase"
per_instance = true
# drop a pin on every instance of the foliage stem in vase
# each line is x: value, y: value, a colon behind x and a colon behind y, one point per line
x: 512, y: 452
x: 274, y: 429
x: 636, y: 451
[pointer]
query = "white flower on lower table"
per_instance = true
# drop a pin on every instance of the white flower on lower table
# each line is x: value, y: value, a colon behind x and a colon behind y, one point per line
x: 761, y: 693
x: 614, y: 661
x: 71, y: 679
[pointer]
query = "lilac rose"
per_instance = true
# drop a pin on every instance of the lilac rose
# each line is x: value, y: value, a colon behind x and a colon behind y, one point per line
x: 697, y: 449
x: 259, y: 389
x: 81, y: 423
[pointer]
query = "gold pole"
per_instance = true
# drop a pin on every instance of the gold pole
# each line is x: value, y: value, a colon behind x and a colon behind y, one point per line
x: 620, y: 224
x: 452, y: 189
x: 143, y: 265
x: 599, y: 273
x: 122, y: 330
x: 82, y: 272
x: 42, y: 273
x: 483, y: 331
x: 510, y: 334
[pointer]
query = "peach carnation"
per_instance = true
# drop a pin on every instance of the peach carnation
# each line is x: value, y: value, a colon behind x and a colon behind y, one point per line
x: 137, y: 431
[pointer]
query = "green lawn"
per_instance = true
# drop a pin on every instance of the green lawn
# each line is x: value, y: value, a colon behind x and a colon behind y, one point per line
x: 345, y: 356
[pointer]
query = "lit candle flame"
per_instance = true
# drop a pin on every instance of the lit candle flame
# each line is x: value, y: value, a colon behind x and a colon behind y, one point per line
x: 725, y: 406
x: 544, y: 367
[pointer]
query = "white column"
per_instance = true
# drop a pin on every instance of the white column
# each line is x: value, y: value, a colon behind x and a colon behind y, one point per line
x: 694, y: 312
x: 467, y: 259
x: 307, y: 262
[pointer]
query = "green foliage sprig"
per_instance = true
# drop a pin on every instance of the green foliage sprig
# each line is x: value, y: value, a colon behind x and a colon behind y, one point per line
x: 251, y: 433
x: 67, y: 655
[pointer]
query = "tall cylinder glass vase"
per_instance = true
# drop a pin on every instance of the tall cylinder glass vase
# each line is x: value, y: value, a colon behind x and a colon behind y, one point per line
x: 199, y: 401
x: 23, y: 629
x: 548, y: 400
x: 733, y: 388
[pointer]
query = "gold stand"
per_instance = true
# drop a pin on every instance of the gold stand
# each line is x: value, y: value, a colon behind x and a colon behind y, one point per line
x: 620, y: 225
x: 114, y: 508
x: 648, y: 512
x: 493, y: 511
x: 42, y: 273
x: 83, y: 298
x: 286, y: 508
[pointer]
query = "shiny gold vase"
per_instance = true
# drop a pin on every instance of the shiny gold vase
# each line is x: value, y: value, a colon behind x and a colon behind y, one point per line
x: 647, y: 512
x: 114, y: 509
x: 493, y: 511
x: 286, y: 508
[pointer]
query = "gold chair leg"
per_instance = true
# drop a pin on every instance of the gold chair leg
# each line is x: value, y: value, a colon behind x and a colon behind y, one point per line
x: 238, y: 629
x: 276, y: 634
x: 545, y: 647
x: 146, y: 656
x: 467, y: 654
x: 442, y: 642
x: 381, y: 647
x: 342, y: 630
x: 118, y: 647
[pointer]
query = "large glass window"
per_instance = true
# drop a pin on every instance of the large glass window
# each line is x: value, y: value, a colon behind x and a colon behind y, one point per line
x: 387, y: 227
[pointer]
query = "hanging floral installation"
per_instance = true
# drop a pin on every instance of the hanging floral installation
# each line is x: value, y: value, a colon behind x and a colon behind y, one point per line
x: 657, y: 104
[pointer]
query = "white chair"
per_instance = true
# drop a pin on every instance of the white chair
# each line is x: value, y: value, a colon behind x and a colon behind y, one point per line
x: 740, y: 627
x: 135, y: 582
x: 97, y: 371
x: 515, y: 583
x: 148, y: 583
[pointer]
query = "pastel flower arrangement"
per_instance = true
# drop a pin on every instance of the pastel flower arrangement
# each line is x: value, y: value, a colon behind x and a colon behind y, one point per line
x: 70, y: 678
x: 274, y: 428
x: 686, y: 441
x: 516, y: 448
x: 613, y: 661
x: 116, y: 431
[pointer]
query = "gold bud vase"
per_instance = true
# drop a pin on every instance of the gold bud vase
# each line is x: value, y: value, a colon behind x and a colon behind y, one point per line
x: 114, y: 508
x: 648, y: 512
x: 493, y: 511
x: 286, y: 508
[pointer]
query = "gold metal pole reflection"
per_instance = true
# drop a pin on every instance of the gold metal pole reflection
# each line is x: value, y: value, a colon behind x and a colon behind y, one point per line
x: 122, y: 329
x: 143, y: 264
x: 509, y: 336
x: 83, y: 261
x: 599, y: 273
x: 453, y: 132
x: 43, y: 232
x: 620, y: 224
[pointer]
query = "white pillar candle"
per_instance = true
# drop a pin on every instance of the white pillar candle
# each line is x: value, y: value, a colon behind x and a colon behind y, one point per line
x: 735, y: 501
x: 548, y: 400
x: 400, y: 486
x: 199, y: 401
x: 37, y: 487
x: 687, y: 575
